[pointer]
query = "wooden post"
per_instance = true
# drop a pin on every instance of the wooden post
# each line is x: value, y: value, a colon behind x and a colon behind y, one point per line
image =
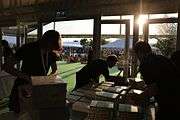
x: 126, y: 70
x: 22, y: 37
x: 135, y: 39
x: 18, y: 41
x: 146, y: 32
x: 97, y: 37
x: 54, y: 25
x: 0, y: 50
x: 120, y: 27
x: 39, y: 30
x: 178, y: 33
x: 25, y: 34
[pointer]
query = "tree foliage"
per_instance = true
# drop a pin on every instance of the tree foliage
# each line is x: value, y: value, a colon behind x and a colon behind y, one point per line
x: 88, y: 42
x: 84, y: 42
x: 167, y: 44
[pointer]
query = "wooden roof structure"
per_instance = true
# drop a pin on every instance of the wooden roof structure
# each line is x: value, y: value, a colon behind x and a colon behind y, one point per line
x: 13, y: 11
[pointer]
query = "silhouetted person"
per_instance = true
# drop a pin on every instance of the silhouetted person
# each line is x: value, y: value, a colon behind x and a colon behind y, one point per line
x: 36, y: 59
x: 7, y: 52
x: 92, y: 71
x: 160, y: 76
x: 90, y: 55
x: 175, y: 57
x: 142, y: 49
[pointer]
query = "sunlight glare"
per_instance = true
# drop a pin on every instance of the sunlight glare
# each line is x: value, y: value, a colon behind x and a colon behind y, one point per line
x: 142, y: 19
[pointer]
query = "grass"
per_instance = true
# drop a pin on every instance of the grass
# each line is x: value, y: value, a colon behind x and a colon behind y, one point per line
x: 67, y: 71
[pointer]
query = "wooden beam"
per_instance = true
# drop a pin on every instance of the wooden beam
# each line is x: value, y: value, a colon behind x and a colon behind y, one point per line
x: 162, y: 20
x: 120, y: 27
x: 146, y: 32
x: 18, y: 41
x: 102, y: 35
x: 25, y: 34
x: 135, y: 39
x: 114, y: 21
x: 135, y: 30
x: 97, y: 37
x: 18, y: 36
x: 39, y: 30
x: 126, y: 68
x: 54, y: 25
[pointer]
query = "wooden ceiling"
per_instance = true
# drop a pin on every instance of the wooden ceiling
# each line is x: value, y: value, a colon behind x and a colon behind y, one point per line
x: 14, y: 11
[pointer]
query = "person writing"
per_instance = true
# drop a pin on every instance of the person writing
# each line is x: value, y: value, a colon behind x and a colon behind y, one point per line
x: 92, y: 71
x: 37, y: 58
x: 159, y: 75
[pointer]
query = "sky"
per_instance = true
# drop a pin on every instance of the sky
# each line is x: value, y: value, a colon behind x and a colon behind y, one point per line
x: 10, y: 39
x: 86, y: 26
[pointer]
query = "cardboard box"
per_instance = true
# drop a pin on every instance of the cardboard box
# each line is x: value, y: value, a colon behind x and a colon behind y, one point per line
x: 129, y: 112
x: 101, y: 110
x: 107, y: 96
x: 51, y: 114
x: 48, y: 92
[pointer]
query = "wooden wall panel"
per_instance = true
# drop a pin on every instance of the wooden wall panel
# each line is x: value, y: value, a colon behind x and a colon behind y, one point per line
x: 19, y: 3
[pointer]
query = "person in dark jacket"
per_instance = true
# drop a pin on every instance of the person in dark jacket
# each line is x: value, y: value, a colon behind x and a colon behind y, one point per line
x: 159, y: 75
x: 37, y: 57
x: 92, y: 71
x: 175, y: 57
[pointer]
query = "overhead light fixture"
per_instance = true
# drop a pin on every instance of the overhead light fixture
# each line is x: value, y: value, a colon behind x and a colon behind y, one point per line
x: 60, y: 14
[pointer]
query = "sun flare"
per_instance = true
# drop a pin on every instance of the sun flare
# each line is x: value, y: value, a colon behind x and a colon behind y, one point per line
x: 142, y: 20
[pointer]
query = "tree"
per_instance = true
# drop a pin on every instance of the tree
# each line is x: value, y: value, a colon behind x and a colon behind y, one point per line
x: 84, y: 42
x: 167, y: 44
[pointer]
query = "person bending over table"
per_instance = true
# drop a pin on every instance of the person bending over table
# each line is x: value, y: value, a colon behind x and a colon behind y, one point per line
x: 92, y: 71
x: 37, y: 57
x: 161, y: 79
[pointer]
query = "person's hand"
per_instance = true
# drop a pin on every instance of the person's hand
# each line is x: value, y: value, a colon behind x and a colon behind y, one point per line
x: 53, y: 73
x: 54, y: 77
